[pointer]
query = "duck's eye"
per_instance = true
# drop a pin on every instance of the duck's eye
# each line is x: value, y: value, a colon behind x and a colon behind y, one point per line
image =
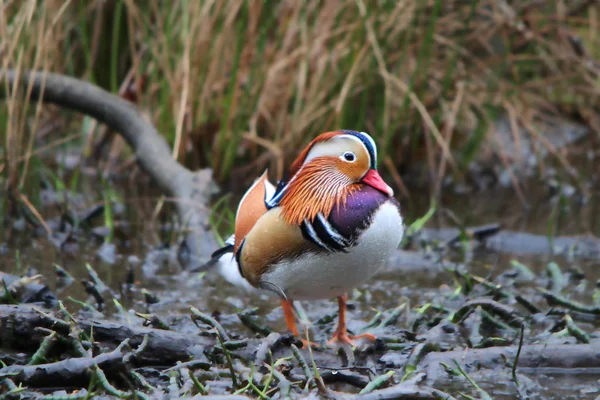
x: 349, y: 156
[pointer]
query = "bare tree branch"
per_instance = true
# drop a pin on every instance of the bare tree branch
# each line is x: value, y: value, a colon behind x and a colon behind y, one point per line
x: 189, y: 189
x: 535, y: 356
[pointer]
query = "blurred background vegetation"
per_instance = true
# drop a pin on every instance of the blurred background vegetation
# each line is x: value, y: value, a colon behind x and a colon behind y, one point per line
x: 242, y: 85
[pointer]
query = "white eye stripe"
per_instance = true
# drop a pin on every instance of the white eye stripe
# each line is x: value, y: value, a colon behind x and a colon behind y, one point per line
x: 336, y: 145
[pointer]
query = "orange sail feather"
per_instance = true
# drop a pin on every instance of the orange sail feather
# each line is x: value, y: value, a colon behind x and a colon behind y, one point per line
x: 251, y: 208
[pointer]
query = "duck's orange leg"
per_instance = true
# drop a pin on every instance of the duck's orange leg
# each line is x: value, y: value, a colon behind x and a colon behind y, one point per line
x: 290, y: 321
x: 341, y: 334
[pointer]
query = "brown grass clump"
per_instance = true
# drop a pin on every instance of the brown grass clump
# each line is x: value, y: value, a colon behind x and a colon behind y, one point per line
x: 241, y: 86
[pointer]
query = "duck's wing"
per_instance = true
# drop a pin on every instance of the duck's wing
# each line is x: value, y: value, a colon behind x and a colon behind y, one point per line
x: 228, y: 248
x: 251, y: 207
x: 271, y: 241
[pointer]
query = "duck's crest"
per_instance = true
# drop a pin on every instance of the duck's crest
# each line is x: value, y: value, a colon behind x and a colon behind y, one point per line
x: 295, y: 167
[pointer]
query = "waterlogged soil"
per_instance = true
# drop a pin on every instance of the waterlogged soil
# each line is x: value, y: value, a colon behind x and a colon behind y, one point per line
x: 139, y: 254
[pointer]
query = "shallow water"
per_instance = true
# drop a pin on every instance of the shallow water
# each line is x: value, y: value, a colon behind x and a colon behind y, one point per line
x: 138, y: 241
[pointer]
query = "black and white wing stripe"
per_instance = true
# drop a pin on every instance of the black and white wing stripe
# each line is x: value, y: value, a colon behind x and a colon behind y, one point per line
x: 228, y: 248
x: 322, y: 233
x: 216, y: 256
x: 273, y: 199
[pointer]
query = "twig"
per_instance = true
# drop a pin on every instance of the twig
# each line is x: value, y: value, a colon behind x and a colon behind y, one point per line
x: 153, y: 321
x: 497, y: 289
x: 141, y: 348
x: 106, y: 385
x: 317, y: 376
x: 575, y: 330
x: 373, y: 322
x: 302, y: 362
x: 121, y: 311
x: 285, y: 386
x: 173, y: 387
x: 392, y: 317
x: 86, y: 306
x: 92, y: 290
x: 141, y: 381
x: 556, y: 277
x: 249, y: 322
x: 504, y: 311
x: 234, y: 344
x: 201, y: 388
x: 377, y: 382
x: 492, y: 319
x: 514, y: 367
x: 266, y: 346
x: 221, y: 336
x: 479, y: 233
x: 202, y: 363
x: 62, y: 273
x: 66, y: 313
x: 207, y: 319
x: 40, y: 355
x: 35, y: 212
x: 484, y: 395
x: 95, y: 278
x: 416, y: 355
x: 555, y: 299
x: 164, y: 347
x: 149, y: 297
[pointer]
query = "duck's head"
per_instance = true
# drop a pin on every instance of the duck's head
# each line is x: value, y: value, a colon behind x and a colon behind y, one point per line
x: 347, y: 157
x: 331, y: 166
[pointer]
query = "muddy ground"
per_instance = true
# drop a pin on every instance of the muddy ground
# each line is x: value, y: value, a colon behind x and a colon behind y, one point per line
x: 448, y: 296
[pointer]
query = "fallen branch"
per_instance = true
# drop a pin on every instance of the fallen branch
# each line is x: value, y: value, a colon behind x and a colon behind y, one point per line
x: 190, y: 190
x: 407, y: 390
x: 165, y: 348
x: 18, y: 325
x: 72, y: 371
x: 537, y: 356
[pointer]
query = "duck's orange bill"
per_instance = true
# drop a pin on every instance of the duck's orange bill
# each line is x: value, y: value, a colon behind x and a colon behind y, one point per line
x: 372, y: 178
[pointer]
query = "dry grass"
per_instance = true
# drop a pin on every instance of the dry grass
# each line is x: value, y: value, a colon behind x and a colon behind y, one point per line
x: 241, y: 86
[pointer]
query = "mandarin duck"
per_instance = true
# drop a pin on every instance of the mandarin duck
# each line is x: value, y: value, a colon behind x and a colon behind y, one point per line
x: 318, y: 234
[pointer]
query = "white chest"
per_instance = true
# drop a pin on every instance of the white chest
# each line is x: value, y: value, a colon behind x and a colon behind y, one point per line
x: 321, y: 276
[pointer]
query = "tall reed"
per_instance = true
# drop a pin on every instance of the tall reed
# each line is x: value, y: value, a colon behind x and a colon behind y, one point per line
x: 242, y: 85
